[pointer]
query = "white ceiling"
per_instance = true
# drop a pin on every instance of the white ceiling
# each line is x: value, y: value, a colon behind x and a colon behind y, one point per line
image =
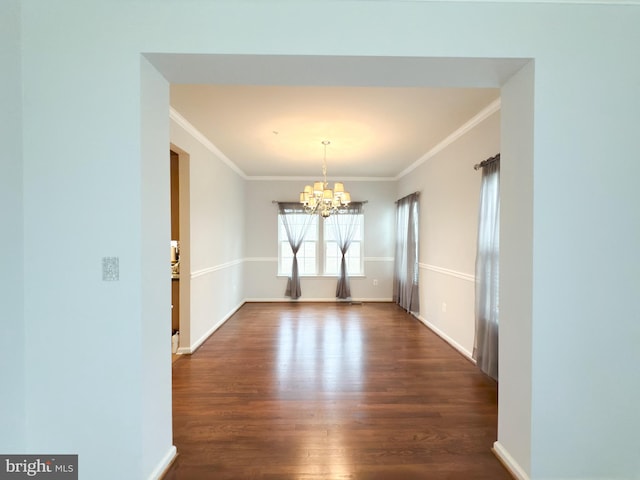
x: 268, y: 114
x: 373, y: 131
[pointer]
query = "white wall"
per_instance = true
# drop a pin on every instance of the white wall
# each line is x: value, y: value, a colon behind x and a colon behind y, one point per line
x: 586, y: 232
x: 216, y: 246
x: 155, y: 404
x: 516, y: 260
x: 12, y: 365
x: 261, y: 266
x: 83, y: 184
x: 450, y: 190
x: 83, y: 200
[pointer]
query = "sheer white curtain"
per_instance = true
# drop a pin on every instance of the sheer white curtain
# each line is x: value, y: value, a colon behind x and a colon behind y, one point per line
x: 291, y: 214
x: 405, y: 277
x: 344, y: 226
x: 485, y: 349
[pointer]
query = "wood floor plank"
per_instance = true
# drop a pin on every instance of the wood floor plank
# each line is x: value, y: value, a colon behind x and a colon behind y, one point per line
x: 331, y: 391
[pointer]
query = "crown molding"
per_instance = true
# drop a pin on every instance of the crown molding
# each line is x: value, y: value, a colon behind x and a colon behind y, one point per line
x: 478, y: 118
x: 559, y: 2
x: 195, y: 133
x: 330, y: 179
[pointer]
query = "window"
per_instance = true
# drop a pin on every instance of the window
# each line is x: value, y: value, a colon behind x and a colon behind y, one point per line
x: 319, y: 253
x: 333, y: 256
x: 307, y: 255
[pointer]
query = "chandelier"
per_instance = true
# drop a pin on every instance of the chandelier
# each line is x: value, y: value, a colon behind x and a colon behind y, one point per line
x: 320, y: 198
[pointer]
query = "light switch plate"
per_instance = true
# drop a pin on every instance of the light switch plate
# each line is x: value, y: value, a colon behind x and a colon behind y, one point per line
x: 110, y: 269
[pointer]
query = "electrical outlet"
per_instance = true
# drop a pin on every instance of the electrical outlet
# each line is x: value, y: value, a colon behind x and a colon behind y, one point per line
x: 444, y: 307
x: 375, y: 282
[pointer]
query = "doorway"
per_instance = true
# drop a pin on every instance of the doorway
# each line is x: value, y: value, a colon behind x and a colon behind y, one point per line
x: 180, y: 248
x: 517, y: 86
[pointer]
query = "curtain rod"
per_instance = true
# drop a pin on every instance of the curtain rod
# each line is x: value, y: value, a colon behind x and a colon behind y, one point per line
x: 486, y: 162
x: 414, y: 193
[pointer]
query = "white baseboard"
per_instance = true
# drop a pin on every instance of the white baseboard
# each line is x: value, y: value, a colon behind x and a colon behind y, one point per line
x: 509, y: 463
x: 323, y: 300
x: 372, y: 300
x: 208, y: 333
x: 466, y: 353
x: 194, y: 346
x: 164, y: 464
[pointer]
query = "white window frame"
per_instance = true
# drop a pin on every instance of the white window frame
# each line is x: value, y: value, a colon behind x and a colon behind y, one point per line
x: 319, y: 247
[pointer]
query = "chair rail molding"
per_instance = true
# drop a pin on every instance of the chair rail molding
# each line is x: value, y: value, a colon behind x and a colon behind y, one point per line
x: 208, y: 270
x: 446, y: 271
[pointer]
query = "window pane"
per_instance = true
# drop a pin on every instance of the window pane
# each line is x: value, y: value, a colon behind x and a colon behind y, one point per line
x: 332, y: 258
x: 286, y: 256
x: 329, y: 231
x: 307, y: 258
x: 333, y: 255
x: 298, y: 220
x: 307, y: 252
x: 307, y: 266
x: 354, y: 264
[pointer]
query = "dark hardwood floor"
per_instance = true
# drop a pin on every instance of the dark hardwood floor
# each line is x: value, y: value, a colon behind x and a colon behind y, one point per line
x: 331, y: 391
